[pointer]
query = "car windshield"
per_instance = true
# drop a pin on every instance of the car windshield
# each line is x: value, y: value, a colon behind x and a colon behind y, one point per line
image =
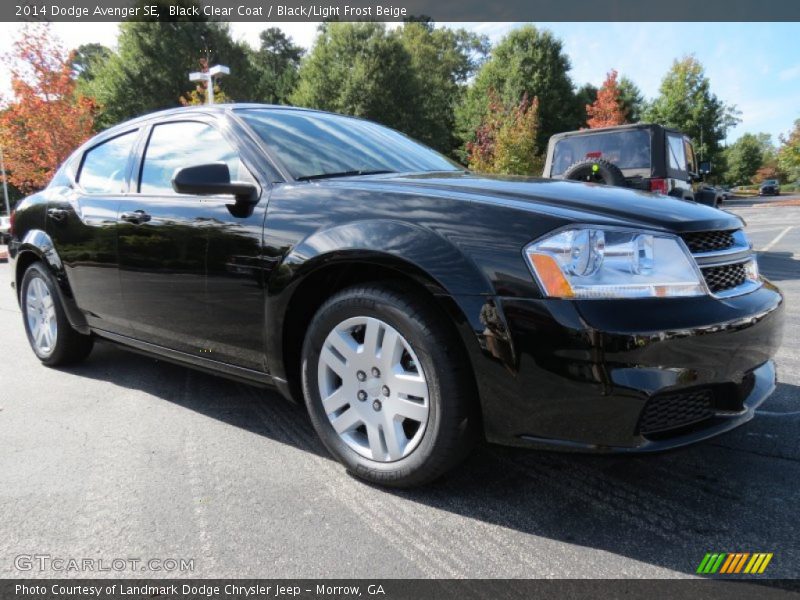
x: 769, y: 182
x: 314, y: 145
x: 626, y: 149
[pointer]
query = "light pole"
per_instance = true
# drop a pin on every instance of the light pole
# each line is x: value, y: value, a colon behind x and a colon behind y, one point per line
x: 208, y: 77
x: 5, y: 185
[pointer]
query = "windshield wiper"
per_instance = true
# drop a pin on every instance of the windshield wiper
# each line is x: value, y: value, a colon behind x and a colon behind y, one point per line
x: 342, y: 174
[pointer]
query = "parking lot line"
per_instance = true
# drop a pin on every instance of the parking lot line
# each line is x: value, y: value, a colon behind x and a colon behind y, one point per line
x: 777, y: 239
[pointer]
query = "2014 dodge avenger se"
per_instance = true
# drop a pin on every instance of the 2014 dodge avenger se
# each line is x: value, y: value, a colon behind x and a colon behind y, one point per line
x: 412, y: 305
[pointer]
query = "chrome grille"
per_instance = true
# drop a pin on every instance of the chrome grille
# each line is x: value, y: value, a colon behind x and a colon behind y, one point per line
x: 724, y: 258
x: 708, y: 241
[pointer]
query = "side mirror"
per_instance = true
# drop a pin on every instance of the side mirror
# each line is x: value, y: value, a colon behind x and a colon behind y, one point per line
x: 213, y: 179
x: 705, y: 168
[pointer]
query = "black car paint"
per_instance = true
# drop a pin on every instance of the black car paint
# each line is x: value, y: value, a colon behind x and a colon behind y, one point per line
x: 574, y: 374
x: 769, y: 189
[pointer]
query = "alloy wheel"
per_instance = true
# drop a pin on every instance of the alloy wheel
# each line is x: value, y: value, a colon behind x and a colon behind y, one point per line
x: 40, y: 312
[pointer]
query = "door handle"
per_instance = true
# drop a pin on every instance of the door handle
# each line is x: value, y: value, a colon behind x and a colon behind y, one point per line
x: 57, y: 214
x: 136, y: 217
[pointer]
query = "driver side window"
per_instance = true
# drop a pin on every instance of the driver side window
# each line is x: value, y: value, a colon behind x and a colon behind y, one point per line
x: 185, y: 144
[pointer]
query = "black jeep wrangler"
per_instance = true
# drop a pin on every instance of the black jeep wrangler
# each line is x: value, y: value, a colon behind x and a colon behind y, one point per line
x: 645, y: 157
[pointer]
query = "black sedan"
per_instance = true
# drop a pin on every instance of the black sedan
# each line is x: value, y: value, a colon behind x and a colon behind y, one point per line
x: 412, y: 305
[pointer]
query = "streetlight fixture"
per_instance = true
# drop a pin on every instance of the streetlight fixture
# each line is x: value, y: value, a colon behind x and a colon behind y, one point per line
x: 208, y: 77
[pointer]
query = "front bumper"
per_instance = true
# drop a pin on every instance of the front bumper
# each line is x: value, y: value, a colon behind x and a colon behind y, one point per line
x: 628, y: 375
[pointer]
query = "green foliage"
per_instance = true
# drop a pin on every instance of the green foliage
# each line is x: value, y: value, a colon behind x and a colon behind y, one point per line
x: 442, y: 61
x: 87, y: 59
x: 360, y: 69
x: 276, y: 64
x: 505, y: 142
x: 151, y: 67
x: 532, y: 62
x: 789, y: 154
x: 584, y: 97
x: 410, y: 79
x: 631, y: 99
x: 743, y: 158
x: 685, y: 102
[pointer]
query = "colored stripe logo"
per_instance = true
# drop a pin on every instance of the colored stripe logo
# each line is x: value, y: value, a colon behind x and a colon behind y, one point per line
x: 732, y: 563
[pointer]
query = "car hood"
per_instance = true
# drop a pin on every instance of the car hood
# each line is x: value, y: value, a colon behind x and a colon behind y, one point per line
x: 571, y: 200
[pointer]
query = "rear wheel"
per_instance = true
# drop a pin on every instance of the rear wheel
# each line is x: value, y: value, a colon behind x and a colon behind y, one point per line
x: 387, y: 386
x: 50, y: 334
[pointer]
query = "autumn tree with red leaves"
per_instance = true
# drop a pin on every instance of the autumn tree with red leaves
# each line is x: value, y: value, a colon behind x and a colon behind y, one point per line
x: 607, y: 109
x: 46, y: 119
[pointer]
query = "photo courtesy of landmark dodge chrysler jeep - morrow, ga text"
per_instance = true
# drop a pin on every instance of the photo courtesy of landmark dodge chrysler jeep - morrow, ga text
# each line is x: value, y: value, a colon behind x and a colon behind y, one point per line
x: 413, y: 306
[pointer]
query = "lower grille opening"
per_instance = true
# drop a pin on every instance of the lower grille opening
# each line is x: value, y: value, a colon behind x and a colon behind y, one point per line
x: 669, y: 414
x: 725, y: 277
x: 666, y: 412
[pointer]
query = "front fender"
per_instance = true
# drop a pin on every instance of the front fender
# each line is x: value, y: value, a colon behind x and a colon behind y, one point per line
x: 411, y: 250
x: 37, y: 245
x: 429, y: 253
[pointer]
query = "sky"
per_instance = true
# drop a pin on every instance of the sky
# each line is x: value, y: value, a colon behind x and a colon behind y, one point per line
x: 755, y: 66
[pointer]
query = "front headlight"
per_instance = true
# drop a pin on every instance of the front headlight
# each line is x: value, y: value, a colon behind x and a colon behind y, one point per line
x: 613, y: 263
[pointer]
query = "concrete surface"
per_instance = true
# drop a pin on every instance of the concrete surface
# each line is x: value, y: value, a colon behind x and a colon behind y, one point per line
x: 128, y: 457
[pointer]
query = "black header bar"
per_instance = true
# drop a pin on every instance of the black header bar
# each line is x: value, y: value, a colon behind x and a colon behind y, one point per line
x: 399, y: 10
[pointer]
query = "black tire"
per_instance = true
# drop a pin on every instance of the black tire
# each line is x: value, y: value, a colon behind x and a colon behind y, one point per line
x: 595, y: 170
x: 70, y: 346
x: 452, y: 422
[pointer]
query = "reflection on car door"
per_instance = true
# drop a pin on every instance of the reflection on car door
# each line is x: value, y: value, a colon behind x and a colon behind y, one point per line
x: 181, y: 255
x: 82, y: 222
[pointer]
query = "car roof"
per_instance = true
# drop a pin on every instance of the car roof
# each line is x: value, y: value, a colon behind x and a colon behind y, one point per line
x: 203, y: 109
x: 628, y: 127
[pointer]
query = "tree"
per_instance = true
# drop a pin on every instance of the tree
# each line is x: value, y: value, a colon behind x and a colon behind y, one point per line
x: 46, y: 119
x: 585, y: 95
x: 743, y: 158
x: 151, y: 67
x: 768, y: 171
x: 532, y: 62
x: 87, y: 59
x: 360, y: 69
x: 505, y: 141
x: 685, y: 102
x: 631, y: 99
x: 276, y: 64
x: 442, y: 61
x: 606, y: 110
x: 788, y: 157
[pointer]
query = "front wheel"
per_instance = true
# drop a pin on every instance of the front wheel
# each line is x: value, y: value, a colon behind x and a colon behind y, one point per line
x: 50, y: 334
x: 387, y: 386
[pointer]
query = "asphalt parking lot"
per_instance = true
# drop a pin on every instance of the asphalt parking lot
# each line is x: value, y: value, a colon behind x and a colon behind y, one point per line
x: 129, y: 457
